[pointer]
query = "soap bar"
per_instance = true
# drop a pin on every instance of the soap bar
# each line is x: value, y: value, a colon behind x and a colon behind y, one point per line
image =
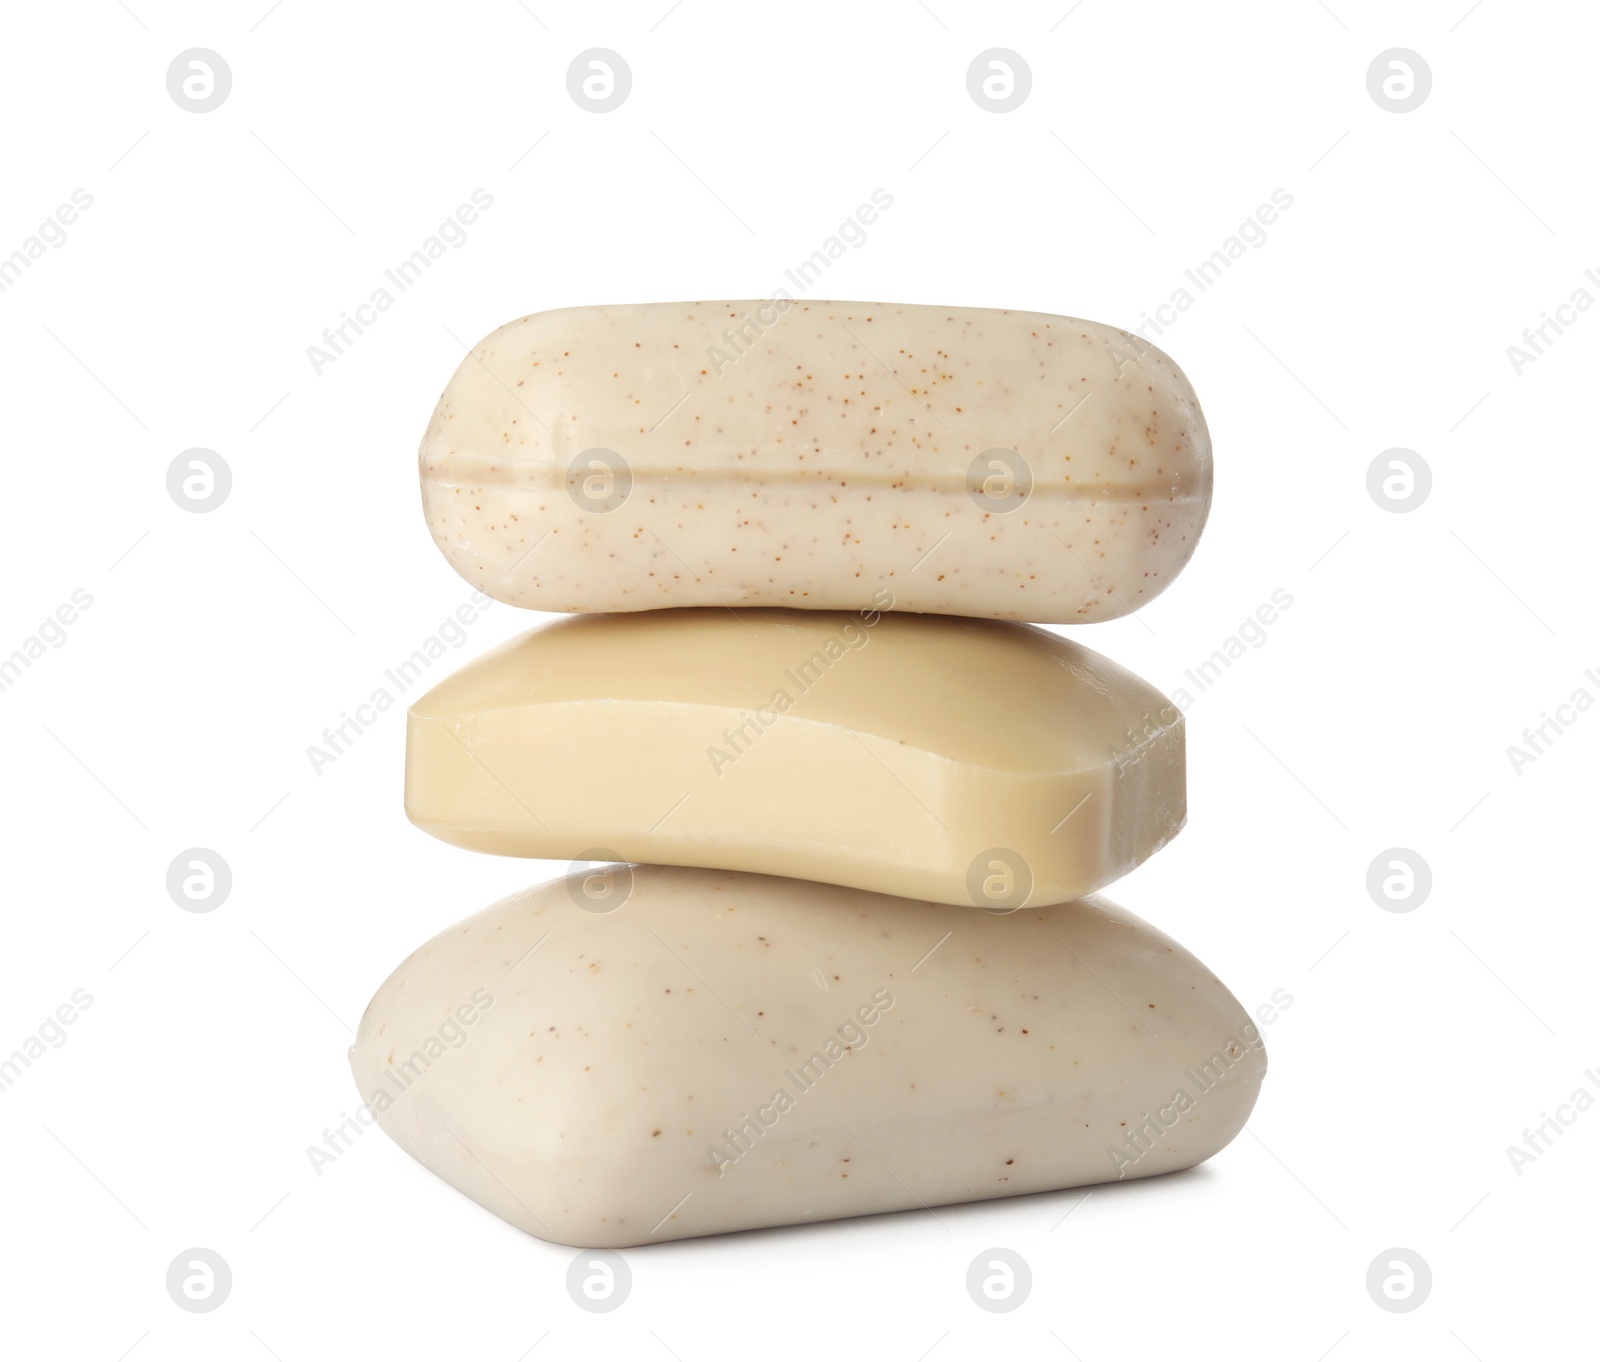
x: 1008, y: 465
x: 694, y: 1051
x: 974, y: 762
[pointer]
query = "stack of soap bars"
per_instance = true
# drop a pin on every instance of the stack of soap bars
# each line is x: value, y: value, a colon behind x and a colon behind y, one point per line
x: 832, y: 807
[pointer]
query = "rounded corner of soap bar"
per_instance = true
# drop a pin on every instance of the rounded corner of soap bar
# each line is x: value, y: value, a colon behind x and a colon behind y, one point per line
x: 626, y: 458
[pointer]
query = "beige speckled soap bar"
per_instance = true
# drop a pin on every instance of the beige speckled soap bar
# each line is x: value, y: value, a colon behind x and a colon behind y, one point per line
x: 973, y: 762
x: 1011, y: 465
x: 684, y: 1052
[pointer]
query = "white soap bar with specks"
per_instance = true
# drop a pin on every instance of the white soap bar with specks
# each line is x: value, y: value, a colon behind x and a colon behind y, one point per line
x: 1010, y: 465
x: 977, y: 762
x: 654, y: 1053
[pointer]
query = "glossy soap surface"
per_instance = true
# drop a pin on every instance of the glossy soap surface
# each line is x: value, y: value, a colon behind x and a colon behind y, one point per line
x: 973, y: 762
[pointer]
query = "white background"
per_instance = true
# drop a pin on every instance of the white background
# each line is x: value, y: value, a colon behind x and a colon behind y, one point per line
x: 1378, y: 713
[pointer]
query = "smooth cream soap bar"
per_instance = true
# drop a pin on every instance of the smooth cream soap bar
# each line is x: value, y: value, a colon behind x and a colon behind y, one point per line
x: 972, y: 762
x: 703, y: 1051
x: 1010, y: 465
